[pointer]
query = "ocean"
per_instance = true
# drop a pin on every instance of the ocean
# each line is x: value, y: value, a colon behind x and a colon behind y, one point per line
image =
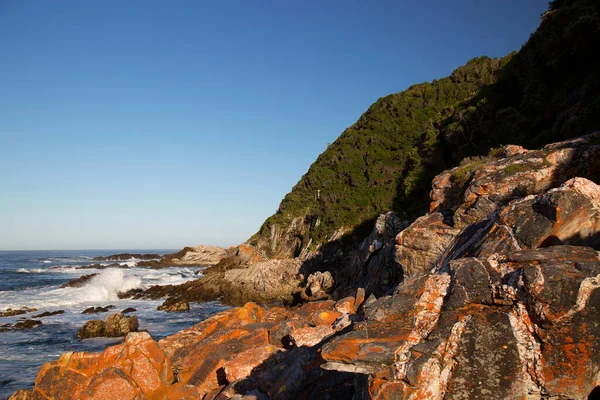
x: 33, y: 279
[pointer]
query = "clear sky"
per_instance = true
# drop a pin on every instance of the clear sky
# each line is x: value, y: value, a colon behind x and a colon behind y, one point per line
x: 161, y: 124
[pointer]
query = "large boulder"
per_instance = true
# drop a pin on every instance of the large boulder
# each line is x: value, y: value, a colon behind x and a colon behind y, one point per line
x: 119, y: 325
x: 420, y: 246
x: 174, y: 305
x: 239, y: 350
x: 371, y: 264
x: 318, y: 286
x: 115, y: 325
x: 9, y: 312
x: 197, y: 255
x: 79, y: 282
x: 523, y: 325
x: 91, y: 329
x: 569, y: 214
x: 266, y: 281
x: 134, y: 369
x: 479, y: 186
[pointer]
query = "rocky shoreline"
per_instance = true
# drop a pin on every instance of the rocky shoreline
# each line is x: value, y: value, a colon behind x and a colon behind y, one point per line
x: 492, y: 293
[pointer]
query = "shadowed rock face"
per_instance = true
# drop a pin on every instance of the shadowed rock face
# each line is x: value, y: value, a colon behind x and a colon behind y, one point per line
x: 525, y: 325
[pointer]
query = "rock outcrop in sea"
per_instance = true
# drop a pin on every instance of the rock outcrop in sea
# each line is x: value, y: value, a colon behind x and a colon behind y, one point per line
x: 115, y: 325
x: 190, y: 256
x: 493, y: 294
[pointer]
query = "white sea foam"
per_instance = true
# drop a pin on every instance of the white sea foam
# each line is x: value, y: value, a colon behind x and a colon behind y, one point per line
x: 51, y: 270
x: 107, y: 285
x: 100, y: 289
x: 47, y: 261
x: 31, y: 271
x: 170, y: 277
x: 131, y: 263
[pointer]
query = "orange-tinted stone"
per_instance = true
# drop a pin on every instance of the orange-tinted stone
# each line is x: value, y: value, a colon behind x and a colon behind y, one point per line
x: 22, y: 395
x: 346, y: 305
x: 359, y: 298
x: 249, y: 313
x: 325, y: 317
x: 111, y: 384
x: 136, y: 367
x: 307, y: 310
x: 204, y: 359
x: 180, y: 391
x: 243, y: 363
x: 310, y: 336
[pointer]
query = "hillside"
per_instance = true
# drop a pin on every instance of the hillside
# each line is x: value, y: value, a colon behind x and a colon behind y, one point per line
x: 548, y: 91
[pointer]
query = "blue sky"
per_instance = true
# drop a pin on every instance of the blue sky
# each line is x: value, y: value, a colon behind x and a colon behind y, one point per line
x: 161, y: 124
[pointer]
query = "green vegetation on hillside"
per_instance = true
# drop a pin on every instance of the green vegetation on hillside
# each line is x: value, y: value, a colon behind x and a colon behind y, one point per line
x: 546, y: 92
x: 357, y: 176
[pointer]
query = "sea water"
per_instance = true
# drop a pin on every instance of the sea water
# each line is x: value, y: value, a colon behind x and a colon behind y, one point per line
x: 33, y: 279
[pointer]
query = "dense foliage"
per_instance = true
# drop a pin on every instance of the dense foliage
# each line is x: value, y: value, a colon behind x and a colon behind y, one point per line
x: 546, y: 92
x: 357, y: 176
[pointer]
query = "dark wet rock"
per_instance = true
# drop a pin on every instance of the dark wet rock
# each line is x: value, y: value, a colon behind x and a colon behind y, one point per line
x: 127, y: 256
x: 9, y: 312
x: 174, y: 305
x: 119, y: 325
x: 27, y: 324
x: 79, y: 282
x: 154, y: 264
x: 91, y: 329
x: 128, y: 310
x: 100, y: 266
x: 95, y: 310
x: 49, y: 314
x: 115, y: 325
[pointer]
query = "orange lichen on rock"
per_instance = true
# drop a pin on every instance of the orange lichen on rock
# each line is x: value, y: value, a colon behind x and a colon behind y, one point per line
x: 137, y: 367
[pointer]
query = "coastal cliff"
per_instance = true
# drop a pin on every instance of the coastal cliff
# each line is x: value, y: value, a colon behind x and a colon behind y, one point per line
x: 446, y: 246
x: 547, y: 92
x: 332, y: 221
x: 496, y: 295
